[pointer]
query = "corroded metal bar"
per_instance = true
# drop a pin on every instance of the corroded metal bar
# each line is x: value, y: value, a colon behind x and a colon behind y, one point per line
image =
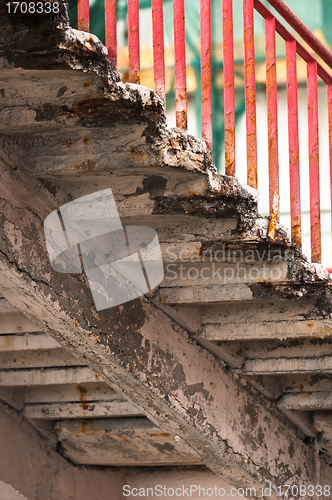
x: 250, y: 92
x: 83, y: 15
x: 293, y: 143
x: 313, y: 143
x: 133, y: 41
x: 206, y: 72
x: 329, y: 109
x: 110, y: 31
x: 229, y: 97
x: 180, y: 64
x: 158, y: 48
x: 274, y: 217
x: 272, y: 108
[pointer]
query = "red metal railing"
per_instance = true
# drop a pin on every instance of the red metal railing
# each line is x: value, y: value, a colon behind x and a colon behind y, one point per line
x: 294, y: 49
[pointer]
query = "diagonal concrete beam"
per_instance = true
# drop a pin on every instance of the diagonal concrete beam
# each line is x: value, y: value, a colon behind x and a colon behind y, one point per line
x: 137, y: 349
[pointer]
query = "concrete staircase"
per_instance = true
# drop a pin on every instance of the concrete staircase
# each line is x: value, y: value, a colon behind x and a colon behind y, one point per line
x: 228, y: 362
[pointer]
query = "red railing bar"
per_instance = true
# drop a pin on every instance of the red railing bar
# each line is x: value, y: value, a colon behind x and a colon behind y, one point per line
x: 206, y: 72
x: 322, y: 73
x: 180, y: 64
x: 329, y: 110
x: 272, y: 108
x: 313, y: 144
x: 83, y: 15
x: 110, y: 31
x: 158, y: 48
x: 306, y: 35
x: 286, y: 35
x: 229, y: 96
x: 293, y: 143
x: 133, y: 41
x: 250, y: 92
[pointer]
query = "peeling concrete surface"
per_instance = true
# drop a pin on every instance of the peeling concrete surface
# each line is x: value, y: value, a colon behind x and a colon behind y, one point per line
x: 155, y: 371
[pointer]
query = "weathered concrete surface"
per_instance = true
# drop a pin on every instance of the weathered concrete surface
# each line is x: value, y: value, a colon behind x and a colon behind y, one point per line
x: 9, y: 493
x: 122, y: 435
x: 100, y: 123
x: 156, y: 371
x: 31, y: 466
x: 115, y: 407
x: 120, y: 442
x: 311, y: 401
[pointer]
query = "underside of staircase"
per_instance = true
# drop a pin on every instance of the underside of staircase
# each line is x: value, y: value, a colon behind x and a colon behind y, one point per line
x: 225, y: 366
